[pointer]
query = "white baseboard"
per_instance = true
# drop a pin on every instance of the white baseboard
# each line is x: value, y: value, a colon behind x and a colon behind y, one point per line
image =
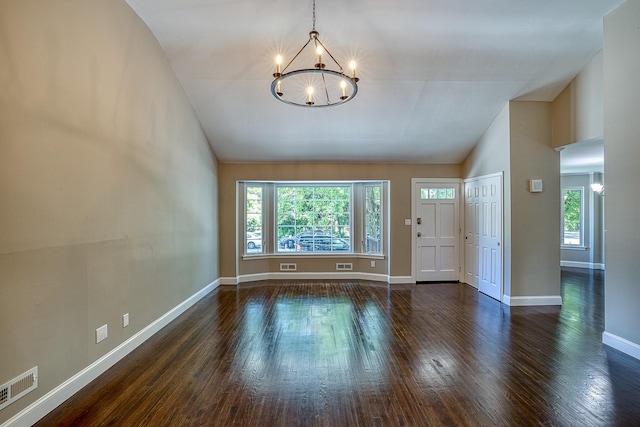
x: 580, y: 264
x: 342, y: 275
x: 621, y: 344
x: 401, y: 280
x: 253, y: 277
x: 526, y: 301
x: 47, y: 403
x: 354, y: 275
x: 226, y: 281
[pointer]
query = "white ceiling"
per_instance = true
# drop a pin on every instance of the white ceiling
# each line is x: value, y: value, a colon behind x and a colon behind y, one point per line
x: 434, y: 73
x: 583, y: 157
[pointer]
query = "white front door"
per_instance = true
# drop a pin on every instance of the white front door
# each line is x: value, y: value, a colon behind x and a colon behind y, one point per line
x: 437, y: 231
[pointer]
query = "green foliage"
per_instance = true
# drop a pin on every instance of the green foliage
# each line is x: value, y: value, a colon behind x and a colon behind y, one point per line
x: 254, y: 209
x: 572, y: 210
x: 325, y: 208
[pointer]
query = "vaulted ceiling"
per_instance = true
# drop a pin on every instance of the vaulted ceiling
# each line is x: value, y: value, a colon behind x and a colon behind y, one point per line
x: 434, y: 73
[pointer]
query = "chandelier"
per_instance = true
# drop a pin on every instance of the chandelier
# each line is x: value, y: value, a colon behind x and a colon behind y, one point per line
x: 320, y: 85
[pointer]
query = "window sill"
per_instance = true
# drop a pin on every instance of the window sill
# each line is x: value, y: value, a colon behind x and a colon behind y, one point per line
x: 311, y: 255
x: 574, y: 248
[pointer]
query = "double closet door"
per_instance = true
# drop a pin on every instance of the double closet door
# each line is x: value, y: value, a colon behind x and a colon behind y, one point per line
x: 483, y: 234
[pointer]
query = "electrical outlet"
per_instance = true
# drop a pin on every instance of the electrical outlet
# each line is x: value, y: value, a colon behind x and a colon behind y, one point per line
x: 101, y: 333
x: 373, y: 264
x: 125, y: 320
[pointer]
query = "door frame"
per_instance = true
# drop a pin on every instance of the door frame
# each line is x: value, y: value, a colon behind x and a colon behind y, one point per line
x: 414, y: 243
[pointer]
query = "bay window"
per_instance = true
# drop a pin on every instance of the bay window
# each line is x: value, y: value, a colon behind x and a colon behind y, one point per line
x: 344, y: 217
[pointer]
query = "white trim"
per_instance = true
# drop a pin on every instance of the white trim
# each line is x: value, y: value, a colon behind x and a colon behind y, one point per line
x: 621, y: 344
x: 314, y: 255
x: 532, y: 300
x: 479, y: 177
x: 226, y: 281
x: 47, y: 403
x: 314, y: 276
x: 401, y: 280
x: 253, y: 277
x: 392, y: 280
x: 581, y: 264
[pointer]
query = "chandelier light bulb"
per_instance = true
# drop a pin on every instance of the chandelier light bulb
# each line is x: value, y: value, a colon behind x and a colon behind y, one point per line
x: 319, y: 52
x: 278, y: 73
x: 310, y: 95
x: 352, y: 65
x: 343, y: 85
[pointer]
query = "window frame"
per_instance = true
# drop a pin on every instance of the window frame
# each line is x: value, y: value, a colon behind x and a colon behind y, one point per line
x: 357, y: 206
x: 246, y: 213
x: 581, y: 244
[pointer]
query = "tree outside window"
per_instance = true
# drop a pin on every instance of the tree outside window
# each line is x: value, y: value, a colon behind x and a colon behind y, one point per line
x: 572, y: 217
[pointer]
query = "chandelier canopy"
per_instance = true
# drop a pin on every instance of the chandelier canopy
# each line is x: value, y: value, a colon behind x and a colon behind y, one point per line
x: 319, y: 85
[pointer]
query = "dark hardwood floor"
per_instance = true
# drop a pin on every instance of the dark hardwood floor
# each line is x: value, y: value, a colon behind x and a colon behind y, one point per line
x: 354, y: 353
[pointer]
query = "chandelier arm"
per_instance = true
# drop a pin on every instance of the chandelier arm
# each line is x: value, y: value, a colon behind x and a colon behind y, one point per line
x: 326, y: 91
x: 297, y: 54
x: 331, y: 56
x: 350, y: 81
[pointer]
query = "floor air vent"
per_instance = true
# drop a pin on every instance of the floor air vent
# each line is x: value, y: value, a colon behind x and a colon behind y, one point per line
x: 288, y: 267
x: 344, y: 266
x: 18, y: 387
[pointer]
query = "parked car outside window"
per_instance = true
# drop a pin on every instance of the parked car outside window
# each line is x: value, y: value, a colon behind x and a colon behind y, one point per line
x: 254, y: 241
x: 322, y: 244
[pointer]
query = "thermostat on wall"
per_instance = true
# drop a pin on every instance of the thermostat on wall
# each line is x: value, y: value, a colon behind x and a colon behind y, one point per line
x: 535, y: 186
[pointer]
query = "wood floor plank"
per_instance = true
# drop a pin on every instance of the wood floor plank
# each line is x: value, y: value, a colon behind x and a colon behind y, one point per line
x: 355, y: 353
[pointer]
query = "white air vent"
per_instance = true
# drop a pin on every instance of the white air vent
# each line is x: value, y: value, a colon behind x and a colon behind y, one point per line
x: 344, y: 266
x: 288, y: 267
x: 18, y: 387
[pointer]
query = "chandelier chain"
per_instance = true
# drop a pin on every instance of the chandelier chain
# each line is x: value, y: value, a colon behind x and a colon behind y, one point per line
x: 314, y: 15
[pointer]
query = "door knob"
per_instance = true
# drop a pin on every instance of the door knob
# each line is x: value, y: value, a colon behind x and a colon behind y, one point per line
x: 419, y: 234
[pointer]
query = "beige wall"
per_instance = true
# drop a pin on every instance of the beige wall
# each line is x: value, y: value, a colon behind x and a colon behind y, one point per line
x: 535, y: 217
x: 518, y: 143
x: 622, y: 151
x: 577, y: 112
x: 108, y: 186
x: 399, y: 176
x: 492, y: 155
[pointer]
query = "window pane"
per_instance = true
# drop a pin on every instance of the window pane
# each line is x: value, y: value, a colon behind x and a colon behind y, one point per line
x: 253, y: 220
x: 451, y: 193
x: 572, y: 217
x: 313, y: 218
x: 437, y: 193
x: 373, y: 218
